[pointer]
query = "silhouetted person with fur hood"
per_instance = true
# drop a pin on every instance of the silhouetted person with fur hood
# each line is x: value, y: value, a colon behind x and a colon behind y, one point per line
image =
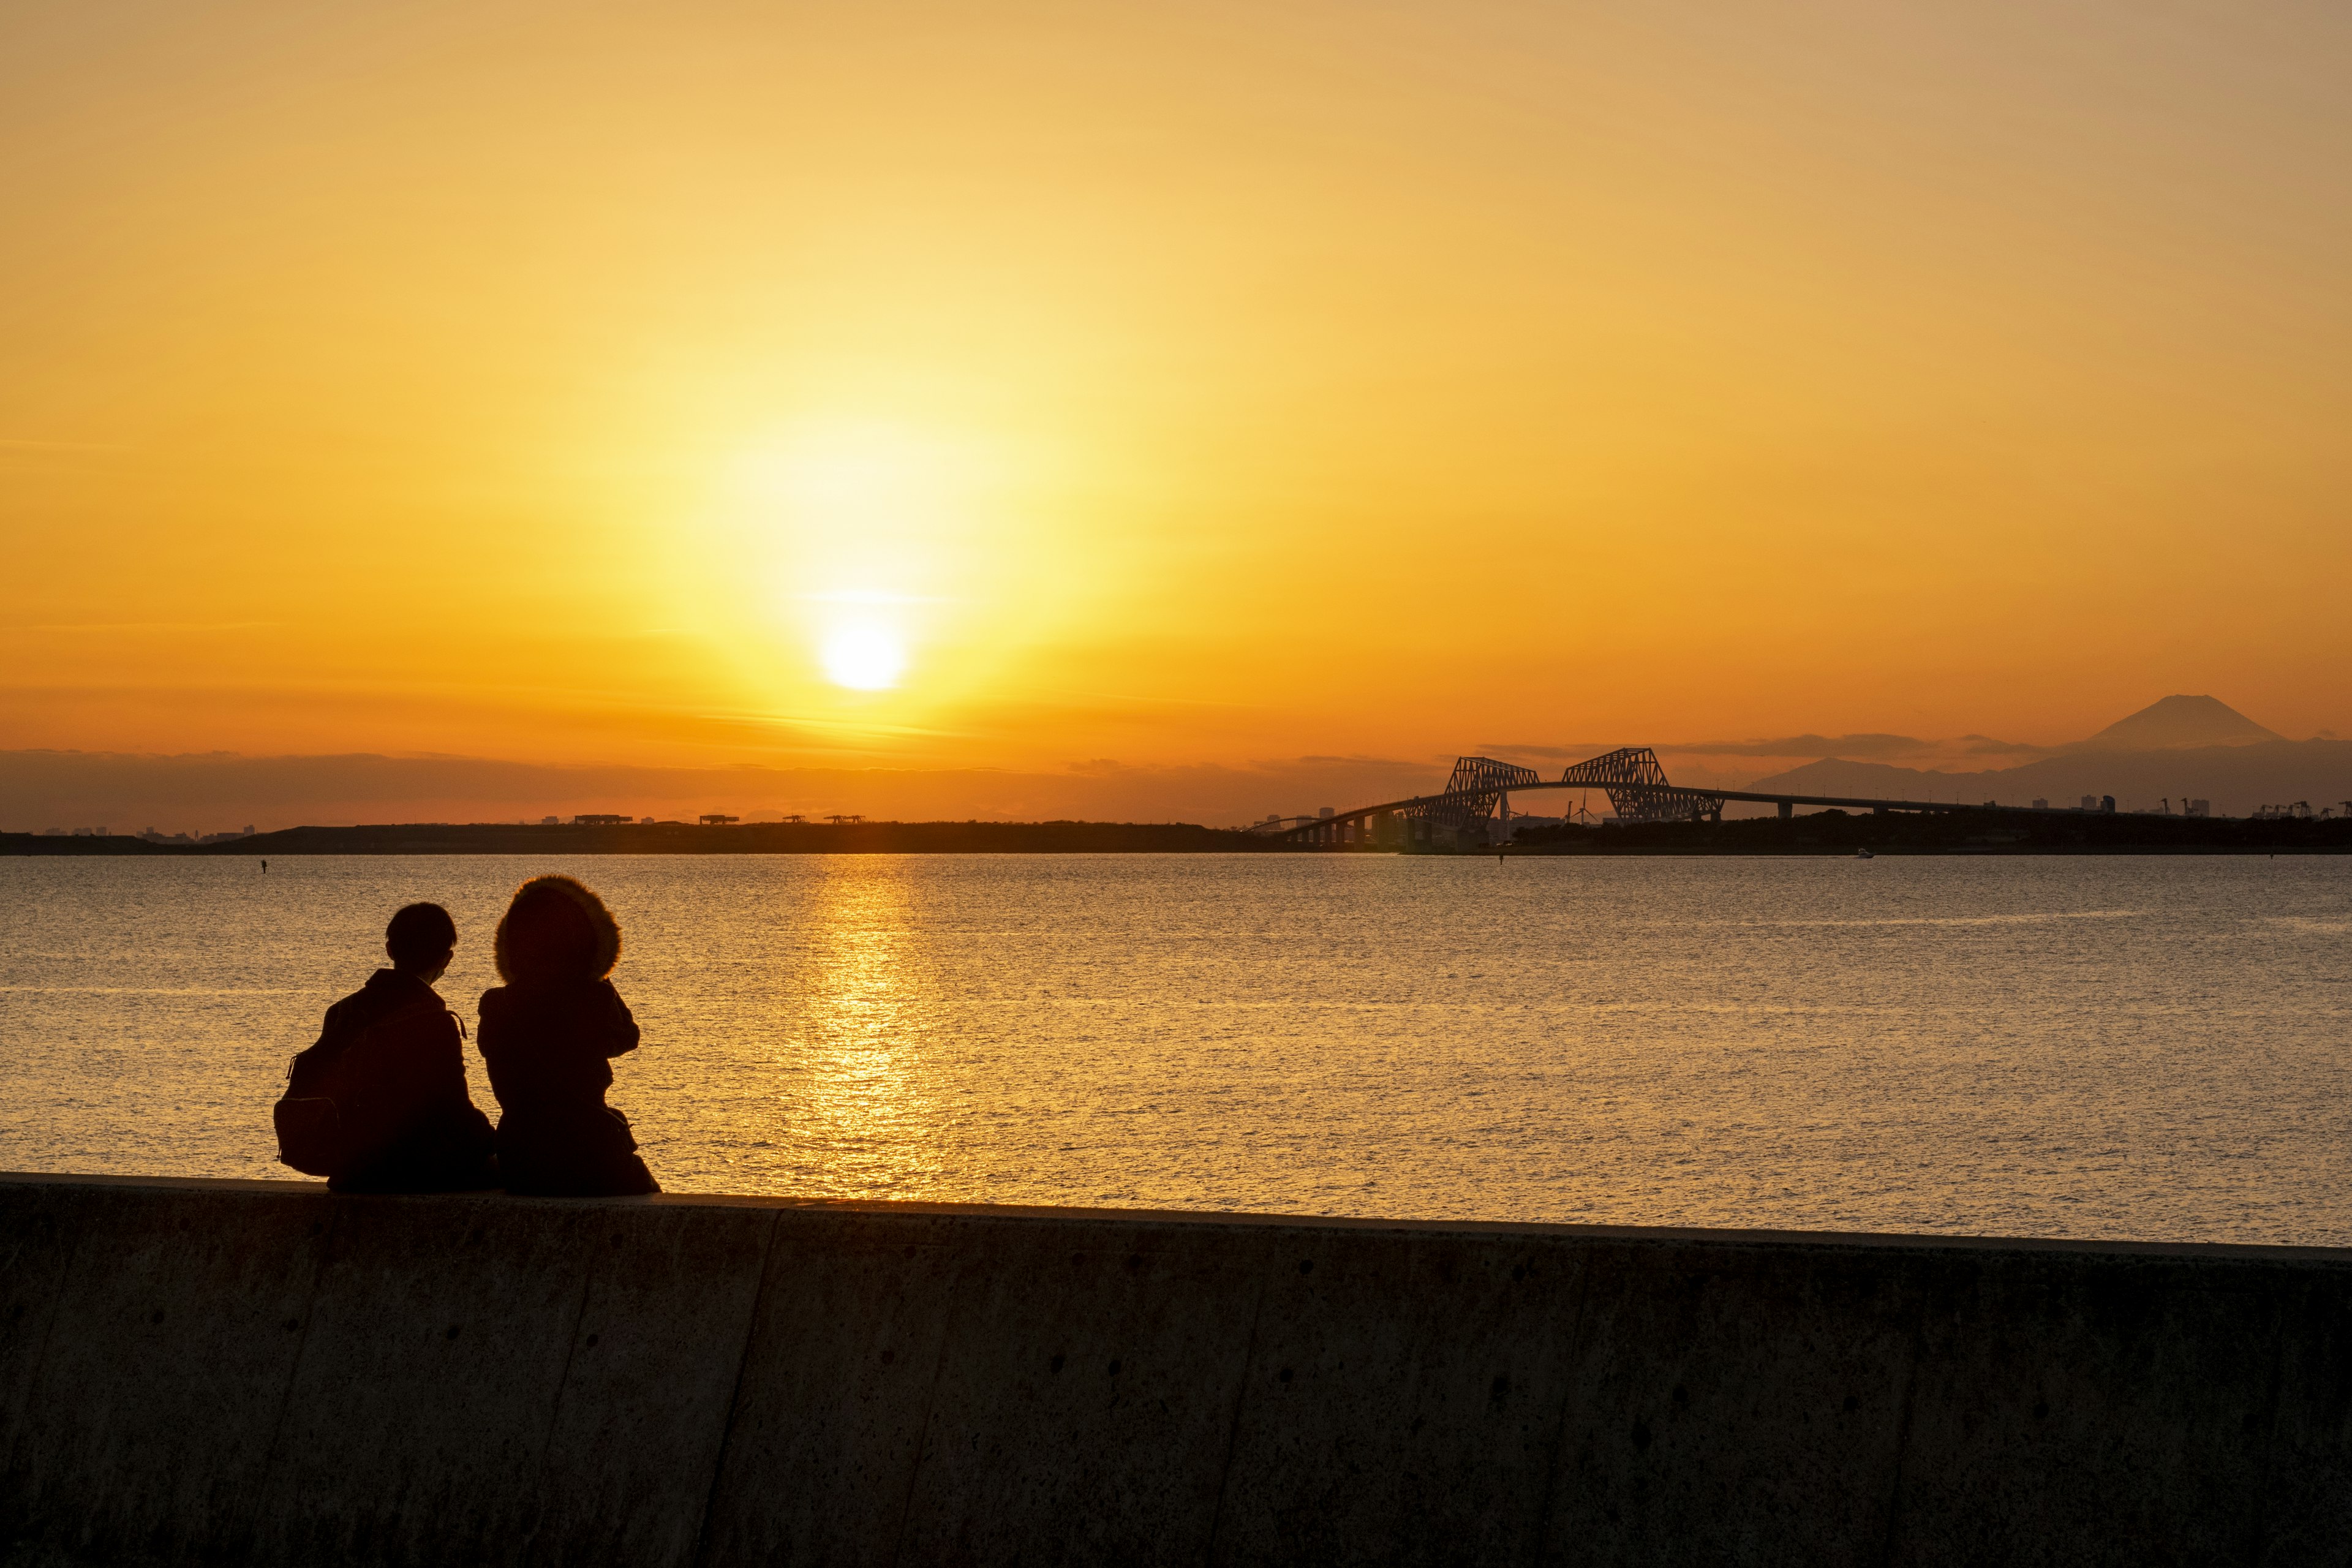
x: 379, y: 1105
x: 549, y: 1034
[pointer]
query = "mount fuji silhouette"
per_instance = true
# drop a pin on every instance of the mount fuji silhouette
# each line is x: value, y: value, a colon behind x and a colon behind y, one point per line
x: 2177, y: 721
x: 2181, y: 748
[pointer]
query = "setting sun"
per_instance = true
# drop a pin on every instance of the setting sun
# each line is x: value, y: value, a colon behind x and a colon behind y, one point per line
x: 865, y: 656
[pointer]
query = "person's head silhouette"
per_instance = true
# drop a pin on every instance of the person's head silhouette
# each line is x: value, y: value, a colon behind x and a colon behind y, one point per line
x: 420, y: 940
x: 556, y: 932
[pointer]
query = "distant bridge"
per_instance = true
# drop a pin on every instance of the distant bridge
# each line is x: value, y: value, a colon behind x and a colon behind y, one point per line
x: 1479, y: 793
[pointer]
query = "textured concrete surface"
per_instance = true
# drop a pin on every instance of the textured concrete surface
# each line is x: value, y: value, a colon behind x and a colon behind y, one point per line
x: 246, y: 1372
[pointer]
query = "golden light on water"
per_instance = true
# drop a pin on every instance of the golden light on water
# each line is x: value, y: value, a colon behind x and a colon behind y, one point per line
x: 866, y: 1116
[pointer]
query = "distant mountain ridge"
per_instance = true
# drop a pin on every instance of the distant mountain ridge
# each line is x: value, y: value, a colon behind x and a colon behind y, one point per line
x: 2180, y: 749
x: 2177, y: 721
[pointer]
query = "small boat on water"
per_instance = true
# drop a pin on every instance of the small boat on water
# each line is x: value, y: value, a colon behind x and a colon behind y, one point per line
x: 1864, y: 854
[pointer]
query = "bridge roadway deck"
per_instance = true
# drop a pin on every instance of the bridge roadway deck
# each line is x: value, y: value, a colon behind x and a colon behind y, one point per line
x: 1773, y: 797
x: 1777, y: 797
x: 261, y: 1373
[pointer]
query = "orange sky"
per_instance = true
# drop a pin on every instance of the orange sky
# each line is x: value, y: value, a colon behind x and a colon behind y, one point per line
x: 1170, y: 384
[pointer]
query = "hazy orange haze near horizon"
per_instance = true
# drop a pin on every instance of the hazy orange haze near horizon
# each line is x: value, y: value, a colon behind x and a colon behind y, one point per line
x: 945, y: 385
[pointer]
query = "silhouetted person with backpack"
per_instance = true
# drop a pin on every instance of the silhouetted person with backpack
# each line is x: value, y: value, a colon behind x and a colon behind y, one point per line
x: 380, y: 1104
x: 549, y: 1034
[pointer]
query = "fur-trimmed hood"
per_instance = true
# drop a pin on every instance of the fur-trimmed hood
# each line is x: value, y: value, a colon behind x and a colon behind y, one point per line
x: 605, y: 930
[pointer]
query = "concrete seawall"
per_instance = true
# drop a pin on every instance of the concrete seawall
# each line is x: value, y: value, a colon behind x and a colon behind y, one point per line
x: 229, y: 1371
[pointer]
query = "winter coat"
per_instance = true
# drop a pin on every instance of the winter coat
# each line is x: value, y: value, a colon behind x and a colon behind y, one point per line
x: 392, y: 1059
x: 549, y: 1047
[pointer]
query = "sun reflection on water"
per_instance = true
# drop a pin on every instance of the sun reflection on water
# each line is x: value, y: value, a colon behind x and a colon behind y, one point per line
x: 863, y: 1112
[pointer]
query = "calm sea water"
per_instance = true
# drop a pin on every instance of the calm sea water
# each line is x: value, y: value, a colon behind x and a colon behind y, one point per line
x: 2152, y: 1049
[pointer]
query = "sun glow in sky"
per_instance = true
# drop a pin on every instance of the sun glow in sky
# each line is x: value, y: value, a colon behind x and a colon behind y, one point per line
x: 942, y: 388
x: 865, y: 655
x: 892, y: 556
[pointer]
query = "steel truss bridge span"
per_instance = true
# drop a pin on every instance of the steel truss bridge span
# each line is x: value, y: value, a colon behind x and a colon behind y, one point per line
x: 1478, y: 794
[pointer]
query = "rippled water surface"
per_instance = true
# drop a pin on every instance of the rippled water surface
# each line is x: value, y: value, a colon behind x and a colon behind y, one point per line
x: 2153, y: 1049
